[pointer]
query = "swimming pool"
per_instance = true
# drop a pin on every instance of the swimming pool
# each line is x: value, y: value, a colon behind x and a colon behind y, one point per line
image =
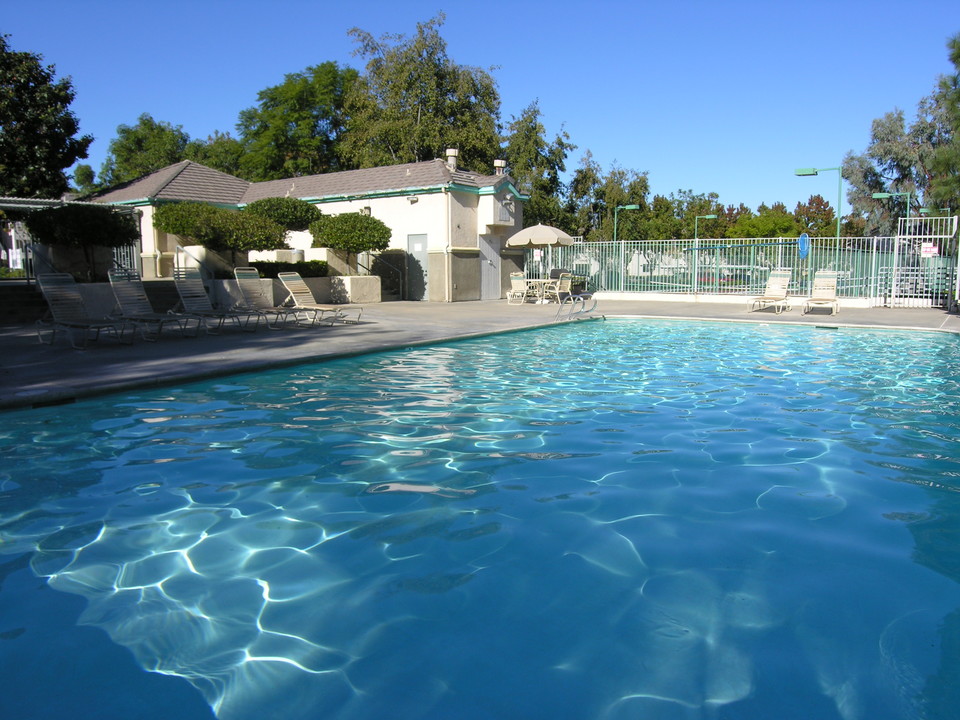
x: 610, y: 520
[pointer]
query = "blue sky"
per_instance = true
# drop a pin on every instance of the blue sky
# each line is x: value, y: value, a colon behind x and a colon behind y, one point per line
x: 725, y: 97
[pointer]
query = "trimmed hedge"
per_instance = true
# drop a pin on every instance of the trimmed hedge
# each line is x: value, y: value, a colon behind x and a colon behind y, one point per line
x: 351, y: 232
x: 219, y: 229
x: 309, y: 268
x: 287, y: 212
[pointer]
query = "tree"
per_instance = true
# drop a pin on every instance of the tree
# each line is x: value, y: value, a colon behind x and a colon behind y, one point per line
x: 899, y: 159
x: 945, y: 162
x: 221, y: 152
x: 689, y: 205
x: 142, y: 148
x: 84, y: 179
x: 594, y: 198
x: 583, y: 205
x: 772, y: 221
x: 84, y: 227
x: 536, y: 166
x: 413, y: 102
x: 38, y: 132
x: 816, y: 217
x: 295, y: 128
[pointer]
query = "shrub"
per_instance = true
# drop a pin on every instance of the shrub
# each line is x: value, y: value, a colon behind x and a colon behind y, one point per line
x: 289, y: 213
x: 309, y: 268
x: 85, y: 227
x: 219, y: 229
x: 82, y: 226
x: 351, y: 232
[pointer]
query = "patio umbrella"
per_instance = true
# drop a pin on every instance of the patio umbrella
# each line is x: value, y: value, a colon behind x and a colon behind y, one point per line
x: 539, y: 236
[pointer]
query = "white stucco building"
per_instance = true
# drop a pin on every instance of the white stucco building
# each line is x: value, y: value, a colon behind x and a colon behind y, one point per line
x: 448, y: 225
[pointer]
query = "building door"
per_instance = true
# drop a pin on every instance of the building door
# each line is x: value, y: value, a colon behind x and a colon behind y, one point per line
x: 416, y: 267
x: 490, y: 284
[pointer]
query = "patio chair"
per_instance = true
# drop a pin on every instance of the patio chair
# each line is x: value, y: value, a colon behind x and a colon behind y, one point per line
x: 135, y: 306
x: 68, y: 312
x: 775, y: 293
x: 255, y: 300
x: 301, y: 297
x: 824, y: 291
x: 560, y: 290
x: 195, y: 301
x: 520, y: 291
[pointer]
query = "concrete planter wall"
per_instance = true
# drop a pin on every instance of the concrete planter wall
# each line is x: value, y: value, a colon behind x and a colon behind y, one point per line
x: 358, y: 290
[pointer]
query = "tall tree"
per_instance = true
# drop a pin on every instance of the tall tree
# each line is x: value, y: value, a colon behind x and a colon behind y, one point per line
x: 770, y: 221
x: 38, y: 132
x: 945, y: 163
x: 142, y: 148
x: 816, y: 217
x: 899, y: 159
x: 536, y: 166
x: 221, y: 151
x: 413, y: 102
x: 296, y: 126
x: 594, y: 197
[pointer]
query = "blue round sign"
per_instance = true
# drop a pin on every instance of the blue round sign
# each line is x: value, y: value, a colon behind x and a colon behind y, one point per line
x: 803, y: 245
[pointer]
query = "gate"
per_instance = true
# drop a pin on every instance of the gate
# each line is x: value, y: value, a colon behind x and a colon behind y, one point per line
x: 919, y: 269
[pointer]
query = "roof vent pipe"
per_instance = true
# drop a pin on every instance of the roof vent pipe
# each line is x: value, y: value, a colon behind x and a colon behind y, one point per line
x: 452, y: 158
x: 499, y: 167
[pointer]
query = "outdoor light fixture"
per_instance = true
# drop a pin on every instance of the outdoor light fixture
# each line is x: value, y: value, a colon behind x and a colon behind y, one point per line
x: 885, y: 195
x: 697, y: 219
x: 616, y: 210
x: 807, y: 172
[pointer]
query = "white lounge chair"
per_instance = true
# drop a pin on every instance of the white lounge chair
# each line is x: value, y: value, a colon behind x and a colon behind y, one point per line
x: 775, y: 293
x: 824, y: 291
x: 255, y: 300
x: 300, y: 296
x: 68, y: 312
x: 520, y: 291
x: 195, y: 301
x: 559, y: 289
x: 135, y: 306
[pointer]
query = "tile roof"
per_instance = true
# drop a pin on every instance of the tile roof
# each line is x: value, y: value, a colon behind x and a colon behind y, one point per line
x: 184, y: 180
x: 188, y: 180
x: 409, y: 176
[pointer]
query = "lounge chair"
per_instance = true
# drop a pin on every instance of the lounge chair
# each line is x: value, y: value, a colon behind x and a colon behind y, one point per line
x: 195, y: 302
x: 135, y: 306
x: 255, y: 300
x: 775, y: 293
x: 300, y: 296
x: 68, y: 312
x: 559, y: 290
x: 520, y: 291
x: 824, y: 291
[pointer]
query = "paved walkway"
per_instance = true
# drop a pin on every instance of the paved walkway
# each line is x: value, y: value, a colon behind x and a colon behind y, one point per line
x: 33, y: 374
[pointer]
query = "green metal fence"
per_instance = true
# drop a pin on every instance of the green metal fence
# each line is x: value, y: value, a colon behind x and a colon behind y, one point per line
x: 917, y: 267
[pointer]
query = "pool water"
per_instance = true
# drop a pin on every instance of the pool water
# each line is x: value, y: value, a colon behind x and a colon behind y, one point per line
x: 615, y: 519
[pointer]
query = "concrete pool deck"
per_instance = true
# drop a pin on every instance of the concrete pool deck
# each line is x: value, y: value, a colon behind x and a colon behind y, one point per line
x: 33, y: 374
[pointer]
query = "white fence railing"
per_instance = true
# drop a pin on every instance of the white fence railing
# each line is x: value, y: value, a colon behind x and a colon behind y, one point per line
x: 916, y: 269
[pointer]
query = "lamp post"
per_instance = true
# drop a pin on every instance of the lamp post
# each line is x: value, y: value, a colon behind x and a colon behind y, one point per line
x: 884, y: 195
x: 616, y: 210
x: 697, y: 219
x: 623, y: 252
x: 806, y: 172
